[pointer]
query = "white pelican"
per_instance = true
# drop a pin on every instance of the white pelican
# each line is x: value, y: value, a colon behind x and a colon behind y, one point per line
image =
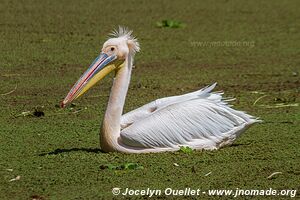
x: 199, y: 120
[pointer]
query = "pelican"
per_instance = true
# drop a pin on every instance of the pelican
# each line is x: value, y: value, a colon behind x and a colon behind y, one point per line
x: 199, y: 120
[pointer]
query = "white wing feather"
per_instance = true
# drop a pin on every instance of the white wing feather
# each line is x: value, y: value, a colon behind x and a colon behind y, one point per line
x: 200, y: 120
x: 146, y: 110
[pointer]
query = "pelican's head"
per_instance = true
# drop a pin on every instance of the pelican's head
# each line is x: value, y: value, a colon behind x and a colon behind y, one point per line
x: 112, y: 57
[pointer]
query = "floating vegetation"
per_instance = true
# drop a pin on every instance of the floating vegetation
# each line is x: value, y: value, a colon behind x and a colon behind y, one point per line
x: 185, y: 149
x: 169, y: 24
x: 125, y: 166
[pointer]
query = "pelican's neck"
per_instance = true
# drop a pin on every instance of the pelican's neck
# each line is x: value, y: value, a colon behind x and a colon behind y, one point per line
x: 110, y: 131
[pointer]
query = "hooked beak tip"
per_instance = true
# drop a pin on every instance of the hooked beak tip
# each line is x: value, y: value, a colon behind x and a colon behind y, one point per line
x: 62, y: 104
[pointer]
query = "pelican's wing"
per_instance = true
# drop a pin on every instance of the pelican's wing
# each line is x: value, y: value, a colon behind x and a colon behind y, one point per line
x: 201, y: 123
x: 154, y: 106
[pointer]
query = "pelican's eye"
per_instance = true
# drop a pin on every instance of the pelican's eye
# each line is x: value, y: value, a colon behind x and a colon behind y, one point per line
x: 110, y: 50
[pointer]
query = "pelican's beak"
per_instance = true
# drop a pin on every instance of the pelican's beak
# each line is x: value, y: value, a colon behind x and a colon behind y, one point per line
x: 102, y: 66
